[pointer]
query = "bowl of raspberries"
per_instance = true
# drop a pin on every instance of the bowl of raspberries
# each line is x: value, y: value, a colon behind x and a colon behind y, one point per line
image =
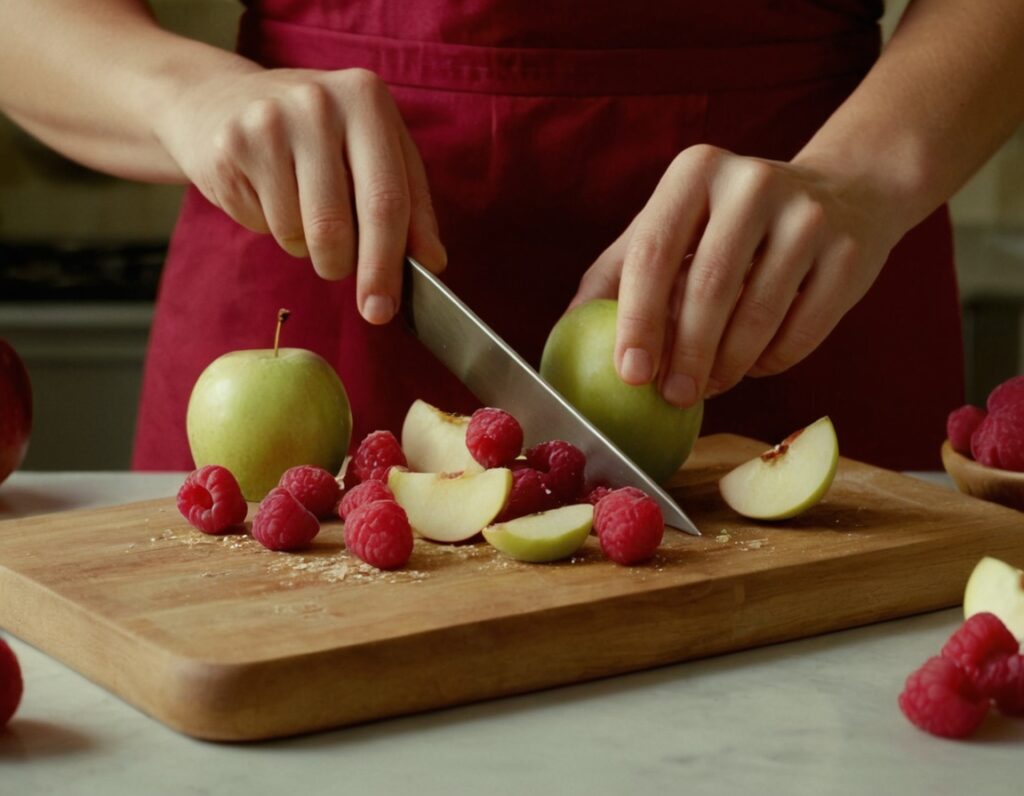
x: 984, y: 449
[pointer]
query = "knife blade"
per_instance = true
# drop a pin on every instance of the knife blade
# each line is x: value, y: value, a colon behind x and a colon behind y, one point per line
x: 499, y: 377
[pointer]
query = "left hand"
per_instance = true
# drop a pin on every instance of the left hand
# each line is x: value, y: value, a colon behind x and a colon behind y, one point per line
x: 780, y: 252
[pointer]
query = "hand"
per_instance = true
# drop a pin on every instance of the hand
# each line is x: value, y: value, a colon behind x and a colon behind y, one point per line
x: 779, y: 253
x: 322, y: 161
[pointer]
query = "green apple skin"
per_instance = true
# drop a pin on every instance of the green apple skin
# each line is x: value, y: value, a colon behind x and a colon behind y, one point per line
x: 548, y: 536
x: 257, y: 414
x: 578, y: 361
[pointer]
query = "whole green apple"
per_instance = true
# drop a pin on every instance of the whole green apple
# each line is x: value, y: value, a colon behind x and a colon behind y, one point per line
x: 259, y: 412
x: 578, y: 361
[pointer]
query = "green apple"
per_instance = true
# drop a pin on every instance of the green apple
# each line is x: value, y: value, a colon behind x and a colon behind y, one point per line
x: 546, y: 536
x: 435, y: 441
x: 259, y: 412
x: 787, y: 479
x: 578, y: 361
x: 451, y: 507
x: 996, y: 587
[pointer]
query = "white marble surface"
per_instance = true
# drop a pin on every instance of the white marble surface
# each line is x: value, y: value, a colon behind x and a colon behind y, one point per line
x: 817, y: 716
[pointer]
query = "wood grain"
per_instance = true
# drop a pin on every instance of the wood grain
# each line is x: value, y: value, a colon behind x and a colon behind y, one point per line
x: 221, y: 639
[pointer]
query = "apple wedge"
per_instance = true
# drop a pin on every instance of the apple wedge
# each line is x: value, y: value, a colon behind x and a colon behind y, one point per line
x: 998, y: 588
x: 547, y: 536
x: 435, y: 441
x: 451, y: 507
x: 787, y: 479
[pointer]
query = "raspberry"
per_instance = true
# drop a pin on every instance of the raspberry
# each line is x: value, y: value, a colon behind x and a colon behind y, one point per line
x: 376, y: 455
x: 961, y: 424
x: 1006, y: 394
x: 629, y: 525
x: 313, y: 487
x: 562, y: 464
x: 977, y: 646
x: 494, y: 437
x: 940, y: 699
x: 594, y: 494
x: 283, y: 523
x: 363, y: 493
x: 1008, y: 681
x: 11, y: 685
x: 999, y: 440
x: 211, y: 500
x: 379, y: 534
x: 529, y: 495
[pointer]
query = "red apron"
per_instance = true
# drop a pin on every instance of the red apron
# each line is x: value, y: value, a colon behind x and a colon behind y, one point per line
x: 544, y: 132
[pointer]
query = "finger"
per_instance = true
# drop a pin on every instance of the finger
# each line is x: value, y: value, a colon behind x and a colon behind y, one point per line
x: 381, y: 187
x: 601, y: 279
x: 767, y: 293
x: 424, y: 237
x: 236, y: 197
x: 325, y: 205
x: 270, y: 168
x: 654, y: 253
x: 727, y: 247
x: 823, y: 300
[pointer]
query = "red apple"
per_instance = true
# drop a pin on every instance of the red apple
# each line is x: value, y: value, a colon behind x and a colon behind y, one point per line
x: 15, y: 410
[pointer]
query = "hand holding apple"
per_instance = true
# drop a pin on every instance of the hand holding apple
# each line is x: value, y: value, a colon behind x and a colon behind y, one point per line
x: 260, y: 412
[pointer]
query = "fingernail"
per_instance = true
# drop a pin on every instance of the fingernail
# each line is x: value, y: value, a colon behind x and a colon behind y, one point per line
x: 636, y: 366
x: 680, y: 390
x: 296, y: 247
x: 378, y: 309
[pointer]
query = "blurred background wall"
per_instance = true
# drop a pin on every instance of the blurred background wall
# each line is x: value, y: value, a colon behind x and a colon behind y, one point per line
x: 80, y: 255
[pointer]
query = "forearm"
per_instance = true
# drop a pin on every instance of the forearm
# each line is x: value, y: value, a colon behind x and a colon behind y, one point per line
x: 89, y: 79
x: 945, y: 93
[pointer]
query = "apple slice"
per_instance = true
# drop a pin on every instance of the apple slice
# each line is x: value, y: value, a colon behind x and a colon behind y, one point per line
x: 451, y: 507
x: 435, y: 441
x: 547, y: 536
x: 998, y: 588
x: 787, y: 479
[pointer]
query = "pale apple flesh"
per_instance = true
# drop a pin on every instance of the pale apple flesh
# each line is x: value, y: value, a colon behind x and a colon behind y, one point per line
x: 785, y: 480
x: 435, y: 441
x: 258, y: 413
x: 547, y: 536
x: 998, y: 588
x: 446, y: 507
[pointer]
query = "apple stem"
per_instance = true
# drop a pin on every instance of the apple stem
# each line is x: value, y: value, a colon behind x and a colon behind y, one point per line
x: 282, y: 316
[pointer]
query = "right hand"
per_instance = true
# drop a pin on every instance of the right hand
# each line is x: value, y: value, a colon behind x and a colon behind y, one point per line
x: 322, y: 161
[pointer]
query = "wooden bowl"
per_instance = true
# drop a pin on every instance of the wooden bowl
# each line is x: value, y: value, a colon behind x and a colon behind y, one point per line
x: 997, y: 486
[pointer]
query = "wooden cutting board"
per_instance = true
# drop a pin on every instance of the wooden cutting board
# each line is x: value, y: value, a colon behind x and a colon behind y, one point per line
x: 222, y: 639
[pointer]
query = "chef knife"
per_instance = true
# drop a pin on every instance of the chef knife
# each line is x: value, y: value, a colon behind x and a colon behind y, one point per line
x: 498, y: 376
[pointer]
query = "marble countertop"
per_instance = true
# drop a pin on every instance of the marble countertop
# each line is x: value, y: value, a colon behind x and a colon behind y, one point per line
x: 816, y: 716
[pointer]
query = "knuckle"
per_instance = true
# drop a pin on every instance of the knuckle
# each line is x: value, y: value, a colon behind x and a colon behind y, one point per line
x: 760, y: 312
x: 647, y: 248
x: 263, y: 117
x: 756, y: 175
x: 328, y: 226
x: 365, y: 82
x: 313, y: 99
x: 698, y: 156
x: 637, y: 325
x: 709, y: 281
x: 386, y: 202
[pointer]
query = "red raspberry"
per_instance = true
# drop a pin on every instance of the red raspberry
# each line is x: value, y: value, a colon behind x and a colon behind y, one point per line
x: 529, y: 495
x: 1007, y: 676
x: 961, y: 424
x: 376, y: 455
x: 594, y: 494
x: 1006, y: 394
x: 629, y: 525
x: 562, y: 464
x: 494, y: 437
x: 283, y: 523
x: 367, y: 492
x: 211, y: 500
x: 379, y: 533
x: 940, y: 699
x: 11, y: 685
x: 313, y: 487
x: 978, y: 646
x: 999, y: 440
